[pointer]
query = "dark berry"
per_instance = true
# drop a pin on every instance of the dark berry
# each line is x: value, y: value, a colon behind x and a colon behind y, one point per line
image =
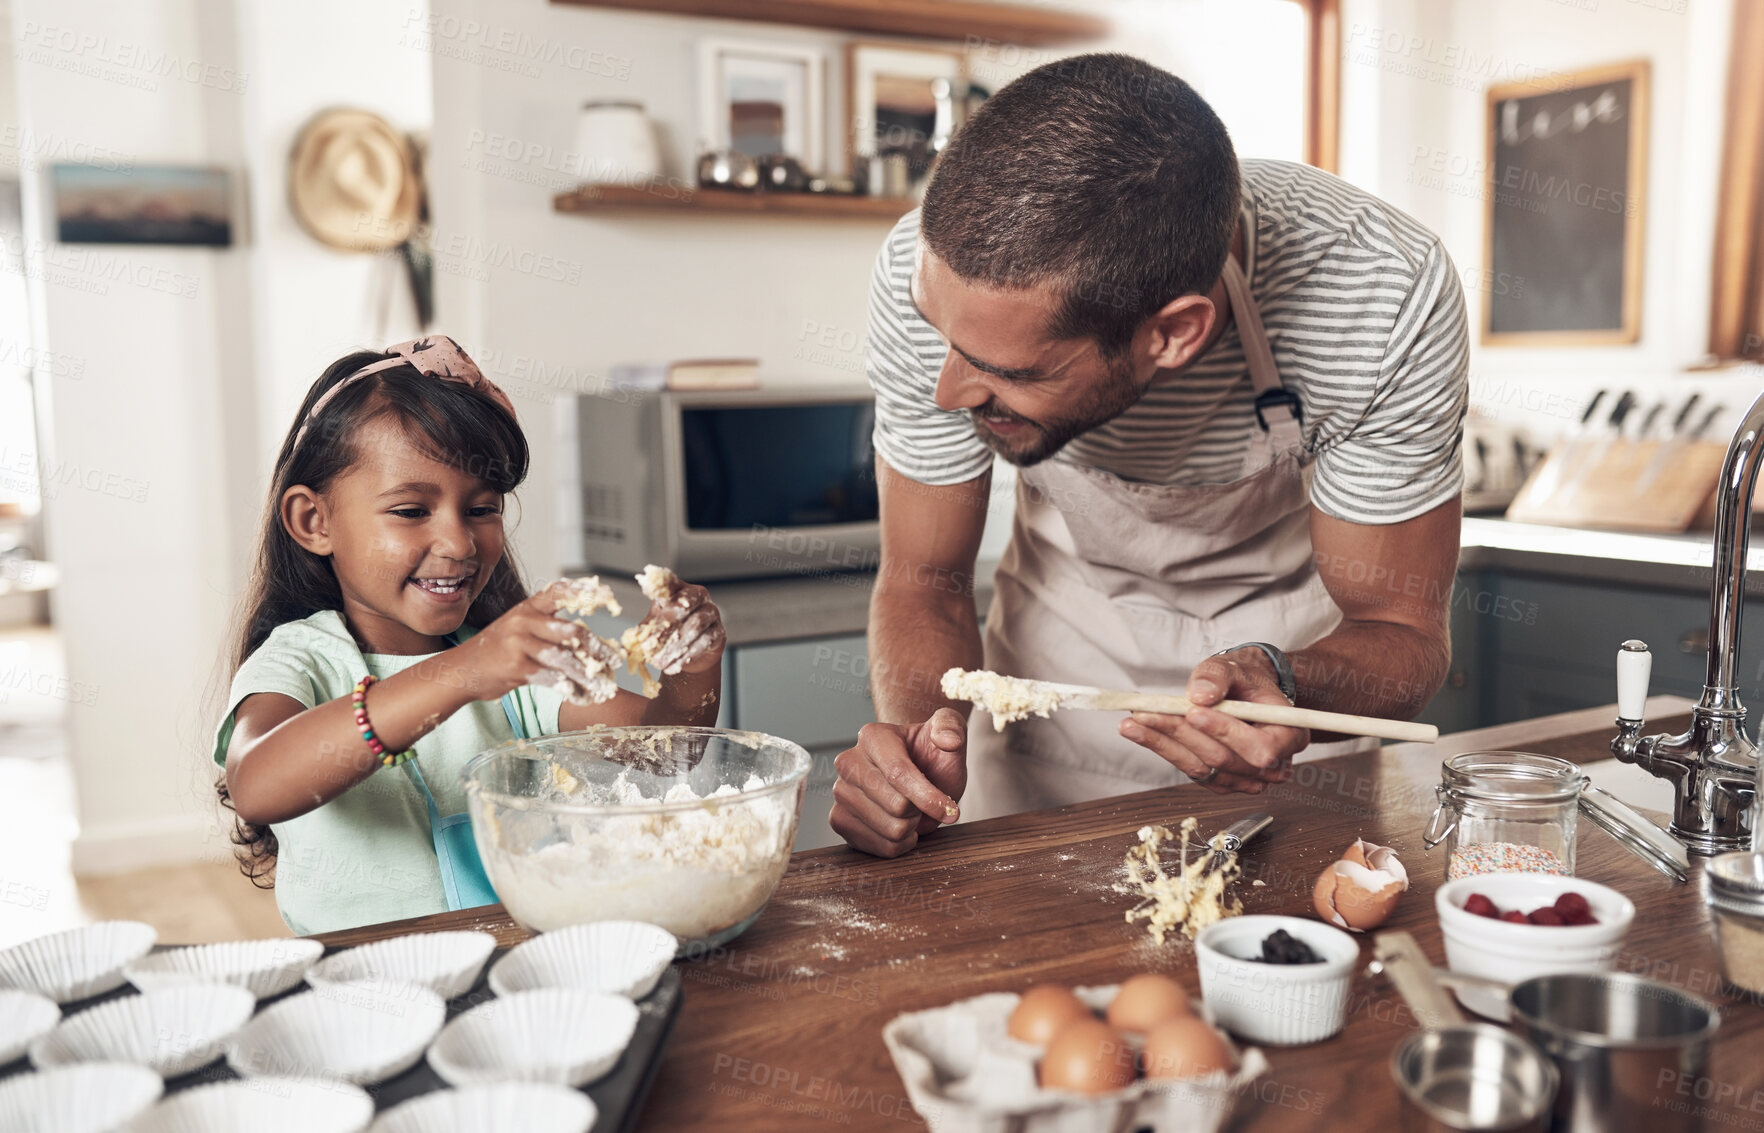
x: 1572, y: 904
x: 1284, y: 948
x: 1580, y: 919
x: 1547, y: 915
x: 1514, y: 916
x: 1481, y: 906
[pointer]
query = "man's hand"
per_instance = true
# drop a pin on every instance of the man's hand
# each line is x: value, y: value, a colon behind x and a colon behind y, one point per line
x: 900, y: 781
x: 1220, y: 752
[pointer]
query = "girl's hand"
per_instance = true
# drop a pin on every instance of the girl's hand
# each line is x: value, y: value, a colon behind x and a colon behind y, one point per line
x: 686, y: 630
x: 528, y: 645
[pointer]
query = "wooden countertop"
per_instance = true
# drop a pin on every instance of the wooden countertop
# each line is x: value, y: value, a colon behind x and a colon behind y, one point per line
x: 782, y: 1028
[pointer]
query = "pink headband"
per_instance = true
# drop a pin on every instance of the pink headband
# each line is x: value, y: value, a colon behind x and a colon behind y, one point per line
x: 435, y: 355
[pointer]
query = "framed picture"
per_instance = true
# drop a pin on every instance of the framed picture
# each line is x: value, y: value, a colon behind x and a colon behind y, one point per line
x: 761, y: 99
x: 1567, y: 183
x: 892, y: 99
x: 144, y: 204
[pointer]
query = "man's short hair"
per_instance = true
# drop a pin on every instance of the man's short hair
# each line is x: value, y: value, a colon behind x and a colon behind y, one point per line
x: 1102, y: 175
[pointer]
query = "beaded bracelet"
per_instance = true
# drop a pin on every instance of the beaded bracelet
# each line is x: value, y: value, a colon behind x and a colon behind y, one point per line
x: 359, y: 699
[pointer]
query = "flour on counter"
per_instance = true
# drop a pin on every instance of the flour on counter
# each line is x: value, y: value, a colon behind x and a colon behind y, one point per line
x: 695, y: 871
x: 1008, y: 699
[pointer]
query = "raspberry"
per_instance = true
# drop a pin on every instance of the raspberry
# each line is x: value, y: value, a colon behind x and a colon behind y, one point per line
x: 1580, y: 919
x: 1481, y: 906
x: 1572, y: 904
x: 1514, y: 916
x: 1547, y: 915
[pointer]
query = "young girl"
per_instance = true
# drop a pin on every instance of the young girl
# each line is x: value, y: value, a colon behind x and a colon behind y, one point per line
x: 384, y: 623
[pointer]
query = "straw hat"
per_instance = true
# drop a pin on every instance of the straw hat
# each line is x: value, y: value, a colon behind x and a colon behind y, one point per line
x: 353, y: 181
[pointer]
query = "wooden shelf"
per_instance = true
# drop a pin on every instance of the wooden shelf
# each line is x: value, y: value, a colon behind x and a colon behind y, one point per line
x: 673, y: 198
x: 924, y: 19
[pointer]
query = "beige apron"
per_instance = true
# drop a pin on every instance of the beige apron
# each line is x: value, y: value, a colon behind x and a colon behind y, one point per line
x: 1128, y: 585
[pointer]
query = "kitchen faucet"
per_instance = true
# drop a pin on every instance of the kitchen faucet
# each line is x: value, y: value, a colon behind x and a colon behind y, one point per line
x: 1713, y: 765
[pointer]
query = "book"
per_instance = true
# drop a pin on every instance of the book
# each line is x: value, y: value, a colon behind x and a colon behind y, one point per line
x: 694, y: 373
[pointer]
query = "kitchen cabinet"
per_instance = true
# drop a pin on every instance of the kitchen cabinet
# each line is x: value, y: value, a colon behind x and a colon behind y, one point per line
x: 1526, y: 646
x: 815, y: 691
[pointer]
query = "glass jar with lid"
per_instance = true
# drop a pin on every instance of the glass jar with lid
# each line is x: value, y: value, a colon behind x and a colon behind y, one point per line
x: 1506, y: 811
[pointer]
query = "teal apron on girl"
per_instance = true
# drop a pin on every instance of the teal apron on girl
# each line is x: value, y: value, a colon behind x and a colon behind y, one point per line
x: 462, y: 871
x: 463, y: 879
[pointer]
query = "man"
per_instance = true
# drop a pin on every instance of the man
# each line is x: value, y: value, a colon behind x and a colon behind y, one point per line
x: 1234, y: 394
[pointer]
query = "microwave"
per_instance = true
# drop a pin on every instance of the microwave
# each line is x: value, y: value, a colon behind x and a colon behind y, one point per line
x: 720, y: 484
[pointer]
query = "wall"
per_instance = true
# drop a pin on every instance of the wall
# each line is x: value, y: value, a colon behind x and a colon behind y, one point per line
x: 190, y: 362
x: 1415, y: 73
x: 789, y: 291
x: 136, y: 506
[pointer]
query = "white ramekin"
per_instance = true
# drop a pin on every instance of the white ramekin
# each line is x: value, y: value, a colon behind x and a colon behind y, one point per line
x: 1281, y: 1004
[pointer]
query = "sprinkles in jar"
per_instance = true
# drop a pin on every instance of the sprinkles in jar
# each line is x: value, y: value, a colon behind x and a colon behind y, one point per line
x: 1501, y: 857
x: 1504, y: 812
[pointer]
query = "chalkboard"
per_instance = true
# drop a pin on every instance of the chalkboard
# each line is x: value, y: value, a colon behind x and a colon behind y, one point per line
x: 1567, y: 169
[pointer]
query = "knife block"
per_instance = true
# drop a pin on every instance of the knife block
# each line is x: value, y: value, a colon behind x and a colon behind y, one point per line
x: 1612, y: 484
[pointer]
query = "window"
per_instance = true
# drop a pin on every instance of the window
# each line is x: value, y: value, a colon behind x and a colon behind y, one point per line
x: 1736, y: 306
x: 1277, y: 81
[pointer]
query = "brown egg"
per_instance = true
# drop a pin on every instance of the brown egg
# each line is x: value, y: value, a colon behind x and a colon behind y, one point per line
x: 1146, y: 1000
x: 1042, y: 1011
x: 1185, y: 1048
x: 1087, y: 1057
x: 1360, y: 891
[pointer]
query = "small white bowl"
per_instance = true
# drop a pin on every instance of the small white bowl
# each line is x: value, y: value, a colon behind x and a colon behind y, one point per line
x: 25, y: 1017
x: 262, y: 967
x: 170, y: 1031
x: 1511, y: 953
x: 495, y: 1107
x: 355, y: 1033
x: 262, y: 1105
x: 622, y: 957
x: 78, y: 963
x: 1282, y: 1004
x: 96, y: 1097
x: 447, y: 963
x: 558, y: 1035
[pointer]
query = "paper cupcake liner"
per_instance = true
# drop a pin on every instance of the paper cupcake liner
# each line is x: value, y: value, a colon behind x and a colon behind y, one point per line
x: 25, y: 1016
x: 96, y: 1097
x: 447, y: 963
x: 514, y: 1107
x: 170, y: 1031
x: 262, y: 967
x: 348, y: 1033
x: 557, y: 1035
x: 262, y: 1105
x: 622, y: 957
x: 78, y: 963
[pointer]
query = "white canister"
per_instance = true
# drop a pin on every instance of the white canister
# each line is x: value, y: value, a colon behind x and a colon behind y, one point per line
x: 616, y: 141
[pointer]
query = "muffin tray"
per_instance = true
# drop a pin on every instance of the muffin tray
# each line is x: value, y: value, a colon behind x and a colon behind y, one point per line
x: 619, y: 1096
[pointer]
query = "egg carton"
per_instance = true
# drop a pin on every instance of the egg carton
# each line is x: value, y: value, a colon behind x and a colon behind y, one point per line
x: 965, y: 1074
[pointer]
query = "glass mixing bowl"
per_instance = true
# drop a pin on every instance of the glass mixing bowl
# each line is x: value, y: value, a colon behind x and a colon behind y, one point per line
x: 686, y: 828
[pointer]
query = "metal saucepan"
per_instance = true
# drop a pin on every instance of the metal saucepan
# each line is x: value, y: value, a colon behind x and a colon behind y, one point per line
x: 1627, y: 1048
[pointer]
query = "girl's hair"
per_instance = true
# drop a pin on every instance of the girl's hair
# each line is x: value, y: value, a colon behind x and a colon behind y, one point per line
x: 449, y: 422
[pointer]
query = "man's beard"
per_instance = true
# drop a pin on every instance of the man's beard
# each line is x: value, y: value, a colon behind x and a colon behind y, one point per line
x: 1112, y: 396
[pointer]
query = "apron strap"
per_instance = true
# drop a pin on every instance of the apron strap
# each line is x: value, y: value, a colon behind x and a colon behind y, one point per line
x: 1277, y: 408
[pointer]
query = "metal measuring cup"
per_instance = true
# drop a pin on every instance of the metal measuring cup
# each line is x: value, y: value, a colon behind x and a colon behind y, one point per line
x: 1627, y: 1048
x: 1459, y: 1076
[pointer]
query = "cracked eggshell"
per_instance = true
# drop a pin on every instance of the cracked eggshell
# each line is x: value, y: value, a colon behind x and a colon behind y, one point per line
x: 1360, y: 891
